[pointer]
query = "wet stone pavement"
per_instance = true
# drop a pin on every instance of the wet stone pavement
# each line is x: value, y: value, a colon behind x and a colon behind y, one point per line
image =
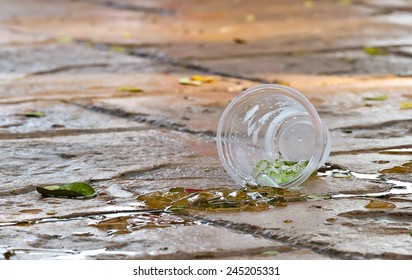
x: 105, y: 77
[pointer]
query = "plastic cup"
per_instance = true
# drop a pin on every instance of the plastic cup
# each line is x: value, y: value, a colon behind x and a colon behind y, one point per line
x: 271, y: 123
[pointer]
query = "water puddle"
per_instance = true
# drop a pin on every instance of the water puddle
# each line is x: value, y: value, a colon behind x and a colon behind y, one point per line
x: 97, y: 254
x: 124, y: 224
x: 11, y: 253
x: 404, y: 168
x: 98, y: 215
x: 397, y: 187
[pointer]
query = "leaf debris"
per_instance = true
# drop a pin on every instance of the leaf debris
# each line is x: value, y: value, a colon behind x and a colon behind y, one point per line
x: 129, y: 89
x: 377, y: 204
x: 376, y: 98
x: 405, y: 105
x: 76, y: 189
x: 374, y: 51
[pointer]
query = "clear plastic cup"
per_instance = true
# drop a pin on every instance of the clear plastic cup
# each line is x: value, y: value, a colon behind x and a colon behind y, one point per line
x: 271, y: 135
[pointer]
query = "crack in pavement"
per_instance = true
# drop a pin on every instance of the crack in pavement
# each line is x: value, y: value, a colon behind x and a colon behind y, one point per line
x: 146, y: 119
x: 376, y: 126
x: 67, y: 132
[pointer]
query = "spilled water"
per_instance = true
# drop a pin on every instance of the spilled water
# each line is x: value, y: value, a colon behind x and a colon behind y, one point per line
x: 397, y: 187
x: 250, y: 198
x: 124, y: 224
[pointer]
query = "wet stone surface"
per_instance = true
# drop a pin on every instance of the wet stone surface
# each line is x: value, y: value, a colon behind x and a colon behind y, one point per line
x: 103, y: 92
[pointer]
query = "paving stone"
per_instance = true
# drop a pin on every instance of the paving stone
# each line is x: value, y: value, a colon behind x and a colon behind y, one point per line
x: 68, y: 59
x: 15, y: 37
x: 56, y: 118
x: 56, y: 57
x: 318, y: 224
x: 342, y: 62
x: 84, y: 241
x: 53, y: 160
x: 187, y: 36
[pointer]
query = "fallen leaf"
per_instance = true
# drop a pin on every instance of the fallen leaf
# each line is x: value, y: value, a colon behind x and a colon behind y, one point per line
x: 318, y: 196
x: 118, y: 49
x: 374, y: 51
x: 348, y: 60
x: 34, y: 114
x: 405, y: 105
x: 57, y: 126
x: 239, y: 41
x: 308, y: 3
x: 189, y: 82
x: 345, y: 2
x: 287, y: 221
x: 127, y: 35
x: 280, y: 82
x: 76, y: 189
x: 203, y: 79
x: 270, y: 253
x: 65, y: 39
x: 8, y: 254
x: 376, y: 98
x: 14, y: 192
x: 129, y: 89
x: 250, y: 18
x: 331, y: 220
x: 376, y: 204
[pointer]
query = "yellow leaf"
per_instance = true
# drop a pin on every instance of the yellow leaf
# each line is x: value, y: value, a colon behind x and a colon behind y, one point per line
x: 374, y: 51
x: 250, y: 18
x: 376, y: 204
x: 129, y: 89
x: 127, y: 35
x: 345, y: 2
x: 118, y: 49
x: 376, y: 98
x: 308, y: 3
x: 406, y: 105
x: 65, y: 39
x: 189, y: 82
x: 203, y: 79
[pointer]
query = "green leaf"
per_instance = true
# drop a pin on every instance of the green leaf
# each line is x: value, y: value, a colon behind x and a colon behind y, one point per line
x: 34, y: 114
x: 118, y: 49
x: 129, y: 89
x: 374, y: 51
x: 65, y: 39
x: 376, y: 98
x: 76, y: 189
x: 279, y: 171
